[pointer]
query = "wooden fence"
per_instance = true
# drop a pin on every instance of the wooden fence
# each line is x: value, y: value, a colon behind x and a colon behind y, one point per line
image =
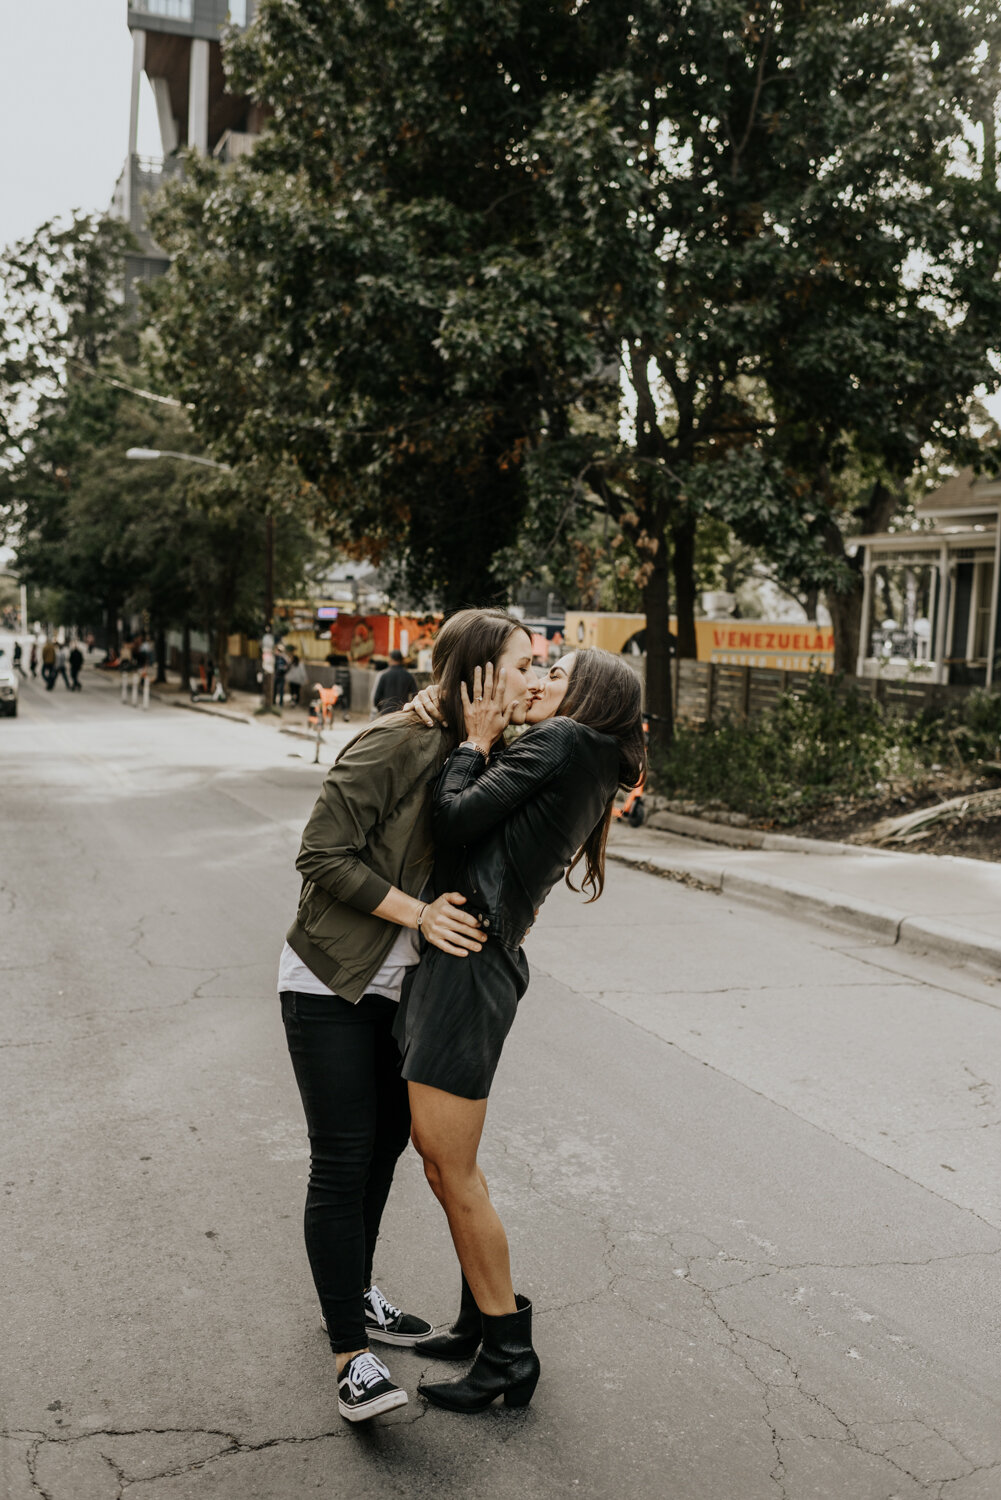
x: 705, y: 692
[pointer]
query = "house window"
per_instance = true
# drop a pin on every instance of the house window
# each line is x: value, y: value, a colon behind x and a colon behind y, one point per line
x: 175, y: 10
x: 980, y: 622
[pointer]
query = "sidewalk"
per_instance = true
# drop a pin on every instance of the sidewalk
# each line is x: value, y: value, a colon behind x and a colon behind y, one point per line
x: 932, y: 903
x: 240, y: 707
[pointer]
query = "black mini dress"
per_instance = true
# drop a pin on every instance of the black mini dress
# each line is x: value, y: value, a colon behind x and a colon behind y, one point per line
x: 453, y: 1020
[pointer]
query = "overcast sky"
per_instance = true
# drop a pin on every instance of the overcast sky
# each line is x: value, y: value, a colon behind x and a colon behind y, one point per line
x: 65, y: 70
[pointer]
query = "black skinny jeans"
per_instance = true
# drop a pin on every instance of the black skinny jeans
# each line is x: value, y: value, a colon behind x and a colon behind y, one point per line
x: 347, y: 1066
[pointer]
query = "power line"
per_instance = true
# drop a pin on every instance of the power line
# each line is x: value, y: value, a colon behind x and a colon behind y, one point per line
x: 133, y: 390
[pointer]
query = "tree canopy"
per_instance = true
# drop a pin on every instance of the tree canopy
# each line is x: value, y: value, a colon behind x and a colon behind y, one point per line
x: 469, y: 225
x: 184, y: 544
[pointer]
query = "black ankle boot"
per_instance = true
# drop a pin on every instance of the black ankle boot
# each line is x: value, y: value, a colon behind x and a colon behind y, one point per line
x: 462, y: 1340
x: 506, y: 1365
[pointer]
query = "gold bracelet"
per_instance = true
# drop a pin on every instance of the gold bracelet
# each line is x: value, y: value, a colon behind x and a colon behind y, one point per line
x: 420, y: 918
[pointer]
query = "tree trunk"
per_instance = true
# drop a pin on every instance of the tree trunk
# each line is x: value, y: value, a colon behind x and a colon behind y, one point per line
x: 659, y: 699
x: 846, y: 622
x: 160, y: 638
x: 113, y: 641
x: 683, y: 562
x: 845, y: 604
x: 222, y: 656
x: 186, y: 657
x: 269, y: 570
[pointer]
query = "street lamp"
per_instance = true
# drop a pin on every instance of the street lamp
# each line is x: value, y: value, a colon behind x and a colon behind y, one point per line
x: 191, y: 458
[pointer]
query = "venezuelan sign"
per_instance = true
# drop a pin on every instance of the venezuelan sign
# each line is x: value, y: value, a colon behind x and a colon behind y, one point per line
x: 737, y: 643
x: 765, y: 643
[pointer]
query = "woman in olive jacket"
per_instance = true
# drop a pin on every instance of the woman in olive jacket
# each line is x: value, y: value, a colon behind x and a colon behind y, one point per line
x: 366, y: 861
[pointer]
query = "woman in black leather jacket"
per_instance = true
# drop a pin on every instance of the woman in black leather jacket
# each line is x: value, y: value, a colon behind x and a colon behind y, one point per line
x: 507, y: 826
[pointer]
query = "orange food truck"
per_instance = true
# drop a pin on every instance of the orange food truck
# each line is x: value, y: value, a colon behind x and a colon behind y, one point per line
x: 316, y: 629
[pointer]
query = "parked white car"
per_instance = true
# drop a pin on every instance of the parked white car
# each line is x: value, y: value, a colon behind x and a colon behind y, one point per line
x: 8, y: 685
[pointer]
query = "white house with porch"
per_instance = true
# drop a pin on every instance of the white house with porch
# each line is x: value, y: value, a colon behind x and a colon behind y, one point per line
x: 930, y: 604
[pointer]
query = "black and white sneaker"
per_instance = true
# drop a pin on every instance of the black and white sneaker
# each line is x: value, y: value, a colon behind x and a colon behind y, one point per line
x: 364, y: 1389
x: 386, y: 1324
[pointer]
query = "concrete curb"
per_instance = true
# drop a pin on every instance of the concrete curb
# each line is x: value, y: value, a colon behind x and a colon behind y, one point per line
x: 216, y: 713
x: 920, y: 933
x: 933, y: 936
x: 300, y: 734
x: 752, y: 838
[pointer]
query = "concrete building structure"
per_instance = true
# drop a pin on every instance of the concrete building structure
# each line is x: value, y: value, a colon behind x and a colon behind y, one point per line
x: 931, y: 603
x: 176, y: 44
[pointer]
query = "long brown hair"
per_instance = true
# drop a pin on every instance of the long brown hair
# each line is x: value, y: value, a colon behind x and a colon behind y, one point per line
x: 467, y: 640
x: 603, y: 693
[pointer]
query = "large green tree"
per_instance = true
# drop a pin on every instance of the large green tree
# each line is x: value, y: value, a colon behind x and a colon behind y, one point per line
x: 469, y: 225
x: 820, y: 291
x: 304, y: 312
x: 61, y: 308
x: 886, y: 301
x: 183, y: 543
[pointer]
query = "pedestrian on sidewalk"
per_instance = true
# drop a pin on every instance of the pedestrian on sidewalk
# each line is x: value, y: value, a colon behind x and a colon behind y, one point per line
x: 33, y: 659
x: 366, y: 862
x: 281, y: 672
x: 76, y: 663
x: 62, y: 657
x: 18, y: 653
x: 506, y: 828
x: 394, y: 687
x: 49, y: 663
x: 296, y: 679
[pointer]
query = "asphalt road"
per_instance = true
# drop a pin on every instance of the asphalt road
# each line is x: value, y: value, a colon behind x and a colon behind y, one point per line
x: 748, y: 1169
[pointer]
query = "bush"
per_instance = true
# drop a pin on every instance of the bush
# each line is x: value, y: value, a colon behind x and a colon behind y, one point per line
x: 980, y: 716
x: 818, y: 745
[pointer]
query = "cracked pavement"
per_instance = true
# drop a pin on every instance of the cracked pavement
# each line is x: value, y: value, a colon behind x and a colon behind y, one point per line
x: 747, y: 1166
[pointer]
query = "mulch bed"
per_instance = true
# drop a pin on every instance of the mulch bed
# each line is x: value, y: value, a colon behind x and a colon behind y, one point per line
x: 975, y: 835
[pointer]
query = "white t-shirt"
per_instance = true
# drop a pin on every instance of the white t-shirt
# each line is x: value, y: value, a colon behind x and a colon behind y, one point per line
x: 293, y: 974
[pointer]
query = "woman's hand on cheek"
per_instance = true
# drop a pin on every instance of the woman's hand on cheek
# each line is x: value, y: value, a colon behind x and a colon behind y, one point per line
x: 486, y: 717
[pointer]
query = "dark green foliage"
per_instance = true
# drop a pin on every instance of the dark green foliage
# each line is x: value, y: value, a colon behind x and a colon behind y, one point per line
x: 828, y: 742
x: 108, y: 536
x: 372, y: 296
x: 466, y: 218
x: 61, y: 306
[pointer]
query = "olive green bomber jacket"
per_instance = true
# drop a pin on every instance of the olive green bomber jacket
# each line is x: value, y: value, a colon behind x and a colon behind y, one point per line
x: 370, y: 830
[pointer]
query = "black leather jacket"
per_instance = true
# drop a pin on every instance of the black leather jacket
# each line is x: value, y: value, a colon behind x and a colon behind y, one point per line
x: 505, y: 831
